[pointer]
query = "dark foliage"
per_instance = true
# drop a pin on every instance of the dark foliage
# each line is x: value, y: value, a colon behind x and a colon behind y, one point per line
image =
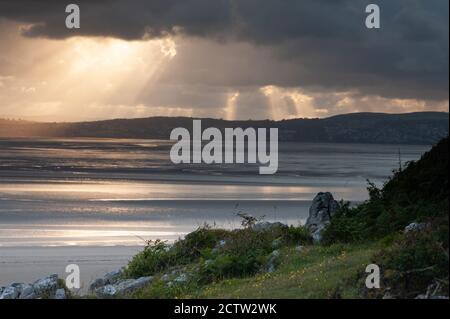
x: 417, y: 193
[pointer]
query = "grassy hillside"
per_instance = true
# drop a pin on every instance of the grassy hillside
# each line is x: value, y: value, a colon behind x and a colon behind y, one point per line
x: 417, y: 193
x: 315, y: 272
x: 276, y: 261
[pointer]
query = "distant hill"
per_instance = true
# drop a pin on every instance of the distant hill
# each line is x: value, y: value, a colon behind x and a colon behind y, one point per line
x: 411, y: 128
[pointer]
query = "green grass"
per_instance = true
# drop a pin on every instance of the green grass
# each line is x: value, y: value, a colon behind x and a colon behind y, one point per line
x: 370, y: 233
x: 315, y: 272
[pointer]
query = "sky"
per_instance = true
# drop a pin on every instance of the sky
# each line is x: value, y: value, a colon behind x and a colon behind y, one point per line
x: 230, y: 59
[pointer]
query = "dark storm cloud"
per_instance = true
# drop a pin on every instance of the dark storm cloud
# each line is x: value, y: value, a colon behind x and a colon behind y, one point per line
x: 319, y: 43
x: 127, y: 19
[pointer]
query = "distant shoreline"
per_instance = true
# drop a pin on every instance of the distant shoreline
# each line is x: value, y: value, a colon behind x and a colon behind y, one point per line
x: 418, y: 128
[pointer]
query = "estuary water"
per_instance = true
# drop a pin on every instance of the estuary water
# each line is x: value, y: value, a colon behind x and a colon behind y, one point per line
x: 96, y: 201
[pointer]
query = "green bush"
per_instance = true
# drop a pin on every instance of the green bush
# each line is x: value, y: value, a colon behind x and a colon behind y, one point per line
x: 417, y: 193
x: 246, y: 252
x: 204, y: 238
x: 416, y: 260
x: 243, y: 253
x: 247, y: 239
x: 346, y: 226
x: 297, y: 236
x: 230, y: 266
x: 157, y: 256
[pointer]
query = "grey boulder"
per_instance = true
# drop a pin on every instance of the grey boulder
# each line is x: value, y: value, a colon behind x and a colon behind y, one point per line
x: 47, y: 285
x: 322, y: 209
x: 10, y: 292
x: 415, y: 227
x: 27, y: 292
x: 108, y: 279
x: 113, y: 276
x: 105, y: 292
x: 129, y: 286
x: 97, y: 283
x: 123, y: 287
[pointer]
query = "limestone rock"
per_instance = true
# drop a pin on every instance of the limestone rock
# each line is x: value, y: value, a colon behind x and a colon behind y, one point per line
x: 322, y: 209
x: 122, y: 287
x: 97, y: 283
x: 414, y: 227
x: 27, y: 292
x: 47, y: 285
x: 10, y: 292
x: 42, y: 288
x: 108, y: 279
x: 126, y: 287
x: 106, y: 292
x: 113, y: 276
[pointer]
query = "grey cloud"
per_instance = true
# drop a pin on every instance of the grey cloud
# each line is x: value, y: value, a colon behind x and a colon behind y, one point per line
x: 310, y: 43
x: 127, y: 19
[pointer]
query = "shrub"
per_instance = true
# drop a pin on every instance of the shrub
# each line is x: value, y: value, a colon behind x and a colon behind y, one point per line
x: 246, y: 252
x: 191, y: 247
x: 230, y: 266
x: 416, y: 260
x: 155, y: 258
x: 297, y: 236
x: 346, y: 226
x: 243, y: 240
x: 417, y: 193
x: 158, y: 256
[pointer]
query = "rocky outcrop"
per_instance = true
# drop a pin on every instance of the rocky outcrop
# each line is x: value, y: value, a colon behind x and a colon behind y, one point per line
x: 27, y: 292
x: 415, y: 227
x: 323, y: 207
x: 108, y: 279
x: 112, y: 286
x: 122, y: 287
x: 109, y: 286
x: 42, y: 288
x: 10, y: 292
x: 47, y: 285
